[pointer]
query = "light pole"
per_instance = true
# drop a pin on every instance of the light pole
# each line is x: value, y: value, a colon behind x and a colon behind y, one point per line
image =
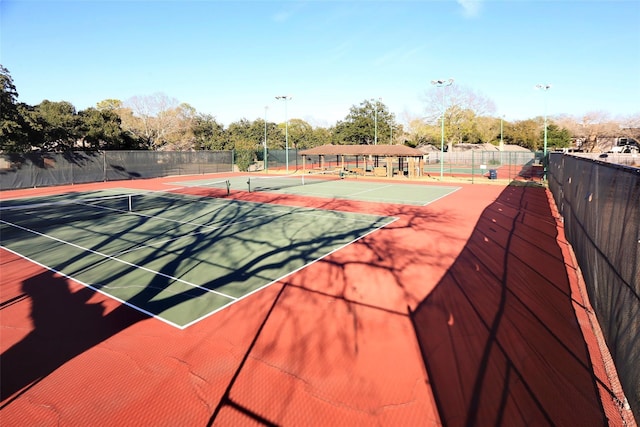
x: 501, y: 139
x: 545, y: 88
x: 375, y: 124
x: 375, y: 120
x: 266, y: 163
x: 501, y: 133
x: 442, y: 84
x: 286, y: 129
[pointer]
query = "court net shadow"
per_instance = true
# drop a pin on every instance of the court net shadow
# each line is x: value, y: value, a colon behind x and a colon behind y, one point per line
x: 498, y: 335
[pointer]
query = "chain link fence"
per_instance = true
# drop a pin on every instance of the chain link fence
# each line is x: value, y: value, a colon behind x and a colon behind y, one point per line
x: 600, y: 204
x: 470, y: 165
x: 473, y: 164
x: 49, y: 169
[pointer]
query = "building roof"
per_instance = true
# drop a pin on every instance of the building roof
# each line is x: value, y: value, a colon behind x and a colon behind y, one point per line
x: 364, y: 150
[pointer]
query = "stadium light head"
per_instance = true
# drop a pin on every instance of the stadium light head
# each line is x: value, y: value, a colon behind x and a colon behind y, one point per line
x: 442, y: 82
x: 286, y: 128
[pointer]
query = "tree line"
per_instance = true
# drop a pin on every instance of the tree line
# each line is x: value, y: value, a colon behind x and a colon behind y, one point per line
x: 158, y: 122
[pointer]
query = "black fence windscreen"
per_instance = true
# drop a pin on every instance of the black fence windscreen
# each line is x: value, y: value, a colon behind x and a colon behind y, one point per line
x: 49, y: 169
x: 600, y: 204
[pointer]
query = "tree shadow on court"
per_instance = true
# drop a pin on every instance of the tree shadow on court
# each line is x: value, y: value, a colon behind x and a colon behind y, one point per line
x: 499, y: 335
x: 341, y: 321
x: 65, y: 325
x: 518, y: 358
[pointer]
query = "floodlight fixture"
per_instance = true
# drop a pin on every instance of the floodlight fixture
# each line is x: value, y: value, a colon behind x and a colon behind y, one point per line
x: 286, y: 128
x: 448, y: 82
x: 375, y: 120
x: 544, y: 87
x: 443, y: 84
x: 265, y: 162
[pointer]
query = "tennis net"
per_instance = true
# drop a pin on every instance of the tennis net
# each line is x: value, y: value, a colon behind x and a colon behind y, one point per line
x: 271, y: 183
x: 36, y: 214
x: 224, y: 185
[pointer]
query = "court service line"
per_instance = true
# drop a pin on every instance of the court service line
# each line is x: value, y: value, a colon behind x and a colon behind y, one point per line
x: 118, y: 260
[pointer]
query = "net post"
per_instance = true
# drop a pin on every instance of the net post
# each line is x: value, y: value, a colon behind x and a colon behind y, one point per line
x: 228, y: 184
x: 249, y: 184
x: 130, y: 202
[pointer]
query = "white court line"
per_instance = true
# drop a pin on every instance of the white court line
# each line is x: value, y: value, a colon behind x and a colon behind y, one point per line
x: 355, y: 199
x: 453, y: 190
x: 371, y: 189
x: 444, y: 195
x: 135, y: 307
x: 287, y: 275
x: 112, y: 258
x: 191, y: 234
x: 279, y: 211
x: 373, y: 199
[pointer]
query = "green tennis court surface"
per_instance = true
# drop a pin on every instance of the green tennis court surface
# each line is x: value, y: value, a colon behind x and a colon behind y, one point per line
x: 176, y: 257
x: 332, y: 185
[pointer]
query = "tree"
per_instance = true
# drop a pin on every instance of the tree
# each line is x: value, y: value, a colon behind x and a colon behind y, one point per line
x: 487, y: 129
x: 631, y: 126
x: 557, y: 136
x: 462, y: 105
x: 365, y: 122
x: 100, y: 129
x: 460, y: 96
x: 300, y: 134
x: 56, y: 126
x: 526, y: 133
x: 595, y: 125
x: 274, y: 134
x: 251, y: 132
x: 208, y: 134
x: 180, y: 135
x: 13, y: 128
x: 156, y: 119
x: 245, y: 139
x: 420, y: 133
x: 460, y: 126
x: 321, y: 136
x: 109, y: 104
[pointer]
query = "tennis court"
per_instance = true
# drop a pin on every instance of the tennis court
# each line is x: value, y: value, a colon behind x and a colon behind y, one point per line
x: 336, y: 312
x: 176, y: 257
x: 334, y: 186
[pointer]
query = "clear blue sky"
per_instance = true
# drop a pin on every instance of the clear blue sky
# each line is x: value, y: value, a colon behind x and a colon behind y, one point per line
x: 230, y: 58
